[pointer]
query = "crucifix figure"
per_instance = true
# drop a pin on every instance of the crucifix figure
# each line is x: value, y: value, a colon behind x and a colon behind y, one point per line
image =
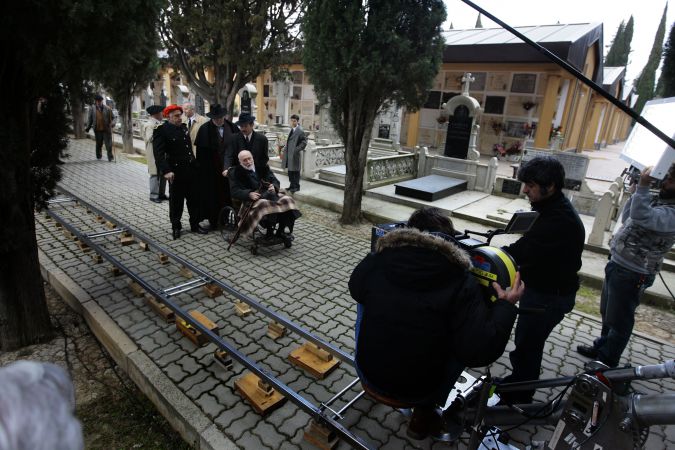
x: 467, y: 79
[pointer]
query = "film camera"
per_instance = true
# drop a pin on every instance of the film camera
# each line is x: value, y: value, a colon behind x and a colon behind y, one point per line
x: 488, y: 263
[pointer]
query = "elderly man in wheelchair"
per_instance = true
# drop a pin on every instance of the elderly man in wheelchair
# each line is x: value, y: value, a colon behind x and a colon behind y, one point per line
x: 263, y: 204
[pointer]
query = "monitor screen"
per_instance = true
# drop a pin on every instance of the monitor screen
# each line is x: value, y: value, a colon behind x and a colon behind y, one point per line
x: 521, y: 222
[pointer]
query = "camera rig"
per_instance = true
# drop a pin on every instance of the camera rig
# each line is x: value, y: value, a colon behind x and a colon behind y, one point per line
x: 488, y: 263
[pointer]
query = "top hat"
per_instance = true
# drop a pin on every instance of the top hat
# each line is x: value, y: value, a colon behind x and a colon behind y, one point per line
x: 245, y: 118
x: 216, y: 111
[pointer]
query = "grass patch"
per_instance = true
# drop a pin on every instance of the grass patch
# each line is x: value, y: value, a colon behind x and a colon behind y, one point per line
x: 588, y: 300
x: 140, y: 159
x: 117, y: 421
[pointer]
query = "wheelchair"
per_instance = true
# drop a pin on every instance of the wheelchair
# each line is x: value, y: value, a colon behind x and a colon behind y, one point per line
x: 264, y: 234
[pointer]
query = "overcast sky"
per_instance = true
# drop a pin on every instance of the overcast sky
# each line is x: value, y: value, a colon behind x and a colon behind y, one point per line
x: 646, y: 15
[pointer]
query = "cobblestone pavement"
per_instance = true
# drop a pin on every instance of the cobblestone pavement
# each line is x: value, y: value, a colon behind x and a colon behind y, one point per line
x: 307, y: 283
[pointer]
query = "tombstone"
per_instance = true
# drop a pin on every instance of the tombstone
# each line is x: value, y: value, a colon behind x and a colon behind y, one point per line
x: 246, y: 103
x: 462, y: 110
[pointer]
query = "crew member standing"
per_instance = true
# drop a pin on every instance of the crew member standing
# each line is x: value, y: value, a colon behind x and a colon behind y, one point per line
x: 176, y: 162
x: 637, y: 252
x: 549, y: 257
x: 157, y: 181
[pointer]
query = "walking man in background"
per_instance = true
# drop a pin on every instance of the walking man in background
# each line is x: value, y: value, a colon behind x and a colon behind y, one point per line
x: 637, y: 252
x: 157, y: 182
x: 102, y: 120
x: 549, y: 257
x: 296, y: 143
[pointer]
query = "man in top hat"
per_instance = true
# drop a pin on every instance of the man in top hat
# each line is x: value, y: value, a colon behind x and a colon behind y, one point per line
x: 193, y: 121
x: 102, y: 120
x: 256, y: 143
x: 212, y: 142
x: 176, y: 162
x: 157, y: 183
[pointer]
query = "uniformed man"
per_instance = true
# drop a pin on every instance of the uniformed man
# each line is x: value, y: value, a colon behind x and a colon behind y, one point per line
x: 176, y: 162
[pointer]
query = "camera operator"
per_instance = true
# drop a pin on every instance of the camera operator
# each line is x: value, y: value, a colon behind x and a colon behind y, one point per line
x: 421, y: 318
x: 637, y: 252
x: 549, y: 257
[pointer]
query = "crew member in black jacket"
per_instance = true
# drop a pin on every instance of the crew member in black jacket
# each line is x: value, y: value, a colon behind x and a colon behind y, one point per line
x: 549, y: 257
x: 175, y: 161
x: 422, y: 317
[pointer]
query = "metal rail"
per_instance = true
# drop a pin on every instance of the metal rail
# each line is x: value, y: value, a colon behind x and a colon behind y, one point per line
x: 337, y: 352
x: 565, y: 65
x: 315, y: 412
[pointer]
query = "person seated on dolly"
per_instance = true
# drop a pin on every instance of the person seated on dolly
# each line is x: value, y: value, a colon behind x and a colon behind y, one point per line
x: 422, y: 318
x: 258, y: 188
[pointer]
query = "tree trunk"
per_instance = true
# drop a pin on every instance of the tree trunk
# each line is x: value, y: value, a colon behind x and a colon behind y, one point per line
x: 358, y: 132
x: 127, y: 126
x: 77, y: 109
x: 24, y: 318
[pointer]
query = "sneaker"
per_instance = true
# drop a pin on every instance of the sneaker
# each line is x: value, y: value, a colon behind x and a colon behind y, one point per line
x: 588, y: 351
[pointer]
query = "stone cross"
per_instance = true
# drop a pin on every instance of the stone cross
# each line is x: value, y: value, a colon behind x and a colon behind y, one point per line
x: 467, y: 79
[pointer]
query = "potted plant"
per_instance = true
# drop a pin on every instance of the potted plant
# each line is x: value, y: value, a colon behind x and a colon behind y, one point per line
x: 514, y: 151
x: 499, y: 150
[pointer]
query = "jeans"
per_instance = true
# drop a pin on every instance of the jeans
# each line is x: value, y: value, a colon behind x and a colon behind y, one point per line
x: 532, y: 331
x: 620, y: 298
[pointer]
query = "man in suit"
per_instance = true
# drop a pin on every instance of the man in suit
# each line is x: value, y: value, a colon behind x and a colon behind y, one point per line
x: 102, y: 120
x: 157, y: 182
x: 256, y: 143
x: 176, y: 162
x: 212, y: 141
x: 296, y: 143
x: 193, y: 121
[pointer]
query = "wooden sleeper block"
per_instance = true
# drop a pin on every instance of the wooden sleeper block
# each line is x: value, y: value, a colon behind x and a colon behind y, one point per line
x: 163, y: 258
x: 144, y: 246
x: 241, y: 308
x: 275, y: 330
x: 259, y: 394
x: 314, y: 360
x: 84, y: 247
x: 115, y: 271
x: 212, y: 290
x: 100, y: 219
x: 97, y: 258
x: 185, y: 272
x: 126, y: 240
x: 223, y: 358
x: 160, y: 308
x: 320, y: 435
x: 110, y: 225
x: 192, y: 333
x: 136, y: 288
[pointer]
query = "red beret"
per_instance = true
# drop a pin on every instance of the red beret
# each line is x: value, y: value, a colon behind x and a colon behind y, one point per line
x: 169, y: 109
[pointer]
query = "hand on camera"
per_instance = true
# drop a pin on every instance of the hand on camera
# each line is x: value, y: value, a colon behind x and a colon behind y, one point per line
x: 645, y: 177
x: 513, y: 293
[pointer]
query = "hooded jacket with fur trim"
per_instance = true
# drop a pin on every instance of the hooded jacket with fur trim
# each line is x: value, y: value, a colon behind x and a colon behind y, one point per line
x: 421, y: 309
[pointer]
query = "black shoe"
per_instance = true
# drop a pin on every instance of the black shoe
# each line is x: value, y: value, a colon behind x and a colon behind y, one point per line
x: 199, y: 230
x: 176, y: 233
x: 156, y: 200
x: 163, y: 197
x: 427, y: 422
x: 588, y: 351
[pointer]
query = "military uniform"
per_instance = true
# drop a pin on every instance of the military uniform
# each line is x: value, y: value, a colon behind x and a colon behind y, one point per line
x: 173, y: 153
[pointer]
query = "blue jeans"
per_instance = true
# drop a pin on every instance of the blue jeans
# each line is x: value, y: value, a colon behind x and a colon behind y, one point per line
x: 532, y: 331
x: 621, y: 292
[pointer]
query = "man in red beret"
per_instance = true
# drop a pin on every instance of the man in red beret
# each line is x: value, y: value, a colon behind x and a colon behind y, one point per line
x: 176, y: 162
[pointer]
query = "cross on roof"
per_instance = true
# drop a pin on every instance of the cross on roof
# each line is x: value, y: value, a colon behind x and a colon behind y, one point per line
x: 467, y: 79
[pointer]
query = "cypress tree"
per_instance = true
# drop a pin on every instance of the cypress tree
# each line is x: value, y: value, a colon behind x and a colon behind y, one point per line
x: 644, y: 84
x: 479, y: 24
x: 612, y: 59
x: 666, y: 84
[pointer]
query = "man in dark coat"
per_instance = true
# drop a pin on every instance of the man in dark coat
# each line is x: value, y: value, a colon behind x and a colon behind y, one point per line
x: 102, y: 120
x: 295, y: 144
x: 422, y: 317
x: 549, y: 257
x: 256, y: 143
x: 176, y: 162
x: 212, y: 141
x: 258, y: 185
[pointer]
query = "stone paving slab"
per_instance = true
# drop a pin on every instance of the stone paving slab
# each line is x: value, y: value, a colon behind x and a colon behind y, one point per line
x: 307, y: 283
